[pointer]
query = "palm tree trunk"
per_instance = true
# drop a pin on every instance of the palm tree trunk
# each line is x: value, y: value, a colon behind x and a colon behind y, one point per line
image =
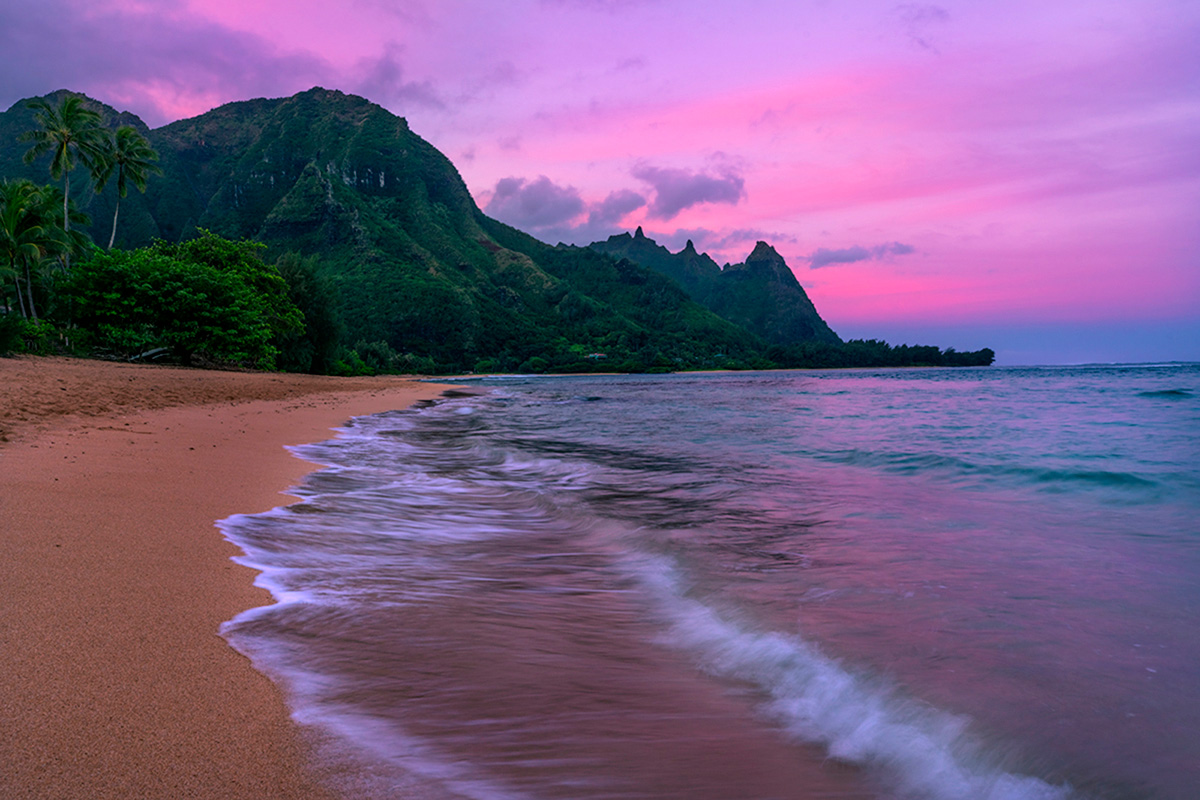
x: 20, y: 297
x: 116, y: 211
x: 29, y: 290
x: 66, y: 225
x: 66, y: 200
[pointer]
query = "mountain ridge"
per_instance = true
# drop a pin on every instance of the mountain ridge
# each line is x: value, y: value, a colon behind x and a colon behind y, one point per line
x: 760, y: 294
x: 422, y: 278
x: 417, y: 265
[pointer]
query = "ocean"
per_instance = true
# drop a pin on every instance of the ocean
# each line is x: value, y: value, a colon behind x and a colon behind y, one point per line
x: 959, y: 584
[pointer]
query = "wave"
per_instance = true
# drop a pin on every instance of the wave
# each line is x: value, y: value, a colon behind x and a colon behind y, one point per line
x: 964, y: 469
x: 927, y: 753
x: 497, y: 470
x: 1168, y: 394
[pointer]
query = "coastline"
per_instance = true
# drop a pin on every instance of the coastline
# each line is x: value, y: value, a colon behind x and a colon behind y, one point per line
x: 115, y: 579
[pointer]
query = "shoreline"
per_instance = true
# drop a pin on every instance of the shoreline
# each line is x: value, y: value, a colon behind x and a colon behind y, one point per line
x: 116, y: 579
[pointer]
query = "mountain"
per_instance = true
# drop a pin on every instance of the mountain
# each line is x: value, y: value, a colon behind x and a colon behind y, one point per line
x: 415, y: 264
x: 761, y: 295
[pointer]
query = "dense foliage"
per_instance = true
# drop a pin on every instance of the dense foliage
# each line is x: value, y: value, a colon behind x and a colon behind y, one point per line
x: 874, y: 353
x: 314, y: 347
x: 209, y: 298
x: 34, y: 245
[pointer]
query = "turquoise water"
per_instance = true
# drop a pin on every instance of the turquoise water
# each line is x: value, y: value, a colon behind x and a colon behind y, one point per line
x: 948, y: 584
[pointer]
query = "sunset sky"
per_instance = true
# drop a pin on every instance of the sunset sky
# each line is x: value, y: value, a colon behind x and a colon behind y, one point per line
x: 1021, y: 175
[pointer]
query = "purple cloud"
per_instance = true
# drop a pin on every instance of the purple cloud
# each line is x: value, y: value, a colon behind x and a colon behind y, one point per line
x: 531, y: 205
x: 383, y: 82
x: 175, y: 55
x: 613, y: 208
x: 917, y: 19
x: 677, y: 189
x: 553, y: 213
x: 823, y: 257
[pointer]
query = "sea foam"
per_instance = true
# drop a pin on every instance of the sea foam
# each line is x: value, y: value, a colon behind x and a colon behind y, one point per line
x: 928, y: 753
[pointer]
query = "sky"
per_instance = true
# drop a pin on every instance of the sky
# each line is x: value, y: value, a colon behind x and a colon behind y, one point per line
x: 1023, y: 175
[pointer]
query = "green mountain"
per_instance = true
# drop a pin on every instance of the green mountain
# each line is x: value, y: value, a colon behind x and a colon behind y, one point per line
x: 761, y: 295
x: 392, y: 264
x: 415, y: 264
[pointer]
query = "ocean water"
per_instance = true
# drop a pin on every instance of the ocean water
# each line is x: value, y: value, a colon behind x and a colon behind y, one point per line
x: 972, y: 584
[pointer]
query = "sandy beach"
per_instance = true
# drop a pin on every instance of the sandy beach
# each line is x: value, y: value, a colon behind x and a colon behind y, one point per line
x: 114, y: 580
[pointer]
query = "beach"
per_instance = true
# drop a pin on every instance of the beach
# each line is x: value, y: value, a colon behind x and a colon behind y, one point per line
x: 947, y: 584
x: 115, y: 581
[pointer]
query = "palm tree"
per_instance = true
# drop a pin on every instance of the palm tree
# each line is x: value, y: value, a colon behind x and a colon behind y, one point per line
x: 27, y: 235
x: 32, y: 235
x: 71, y: 132
x: 131, y: 157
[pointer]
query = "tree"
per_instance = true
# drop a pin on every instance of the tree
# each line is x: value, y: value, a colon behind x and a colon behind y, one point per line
x: 209, y: 297
x: 71, y: 132
x: 20, y: 233
x: 315, y: 349
x: 28, y: 235
x: 243, y: 259
x: 131, y: 158
x: 131, y: 302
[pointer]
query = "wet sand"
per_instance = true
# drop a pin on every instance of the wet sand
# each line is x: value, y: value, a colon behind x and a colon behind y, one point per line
x: 113, y: 580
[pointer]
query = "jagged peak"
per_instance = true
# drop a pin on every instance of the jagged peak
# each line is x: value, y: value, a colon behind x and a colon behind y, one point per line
x: 638, y: 233
x: 766, y: 260
x: 689, y: 247
x: 763, y: 251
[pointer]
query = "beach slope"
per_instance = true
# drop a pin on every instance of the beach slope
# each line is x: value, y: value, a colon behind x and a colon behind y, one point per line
x: 114, y: 581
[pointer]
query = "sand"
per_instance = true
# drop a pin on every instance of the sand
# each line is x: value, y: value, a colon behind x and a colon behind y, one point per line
x: 114, y: 682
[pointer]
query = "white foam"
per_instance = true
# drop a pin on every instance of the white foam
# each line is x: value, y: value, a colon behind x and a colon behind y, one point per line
x: 926, y: 753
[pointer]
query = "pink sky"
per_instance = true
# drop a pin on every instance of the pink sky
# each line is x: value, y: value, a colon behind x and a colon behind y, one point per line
x: 961, y: 172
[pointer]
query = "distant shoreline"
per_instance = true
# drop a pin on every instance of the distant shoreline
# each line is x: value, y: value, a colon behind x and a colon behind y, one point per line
x: 116, y: 580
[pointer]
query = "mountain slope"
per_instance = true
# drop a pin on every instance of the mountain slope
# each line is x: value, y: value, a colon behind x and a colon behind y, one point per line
x: 416, y: 264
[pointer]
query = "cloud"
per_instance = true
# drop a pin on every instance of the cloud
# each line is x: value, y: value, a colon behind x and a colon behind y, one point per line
x: 678, y: 189
x: 164, y: 62
x: 919, y: 14
x: 613, y: 208
x: 556, y: 213
x: 534, y: 204
x: 162, y: 65
x: 823, y: 257
x: 917, y: 20
x: 382, y: 80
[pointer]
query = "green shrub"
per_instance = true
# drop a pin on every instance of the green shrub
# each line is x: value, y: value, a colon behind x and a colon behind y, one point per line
x: 42, y: 338
x: 131, y: 302
x: 12, y: 333
x: 378, y: 356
